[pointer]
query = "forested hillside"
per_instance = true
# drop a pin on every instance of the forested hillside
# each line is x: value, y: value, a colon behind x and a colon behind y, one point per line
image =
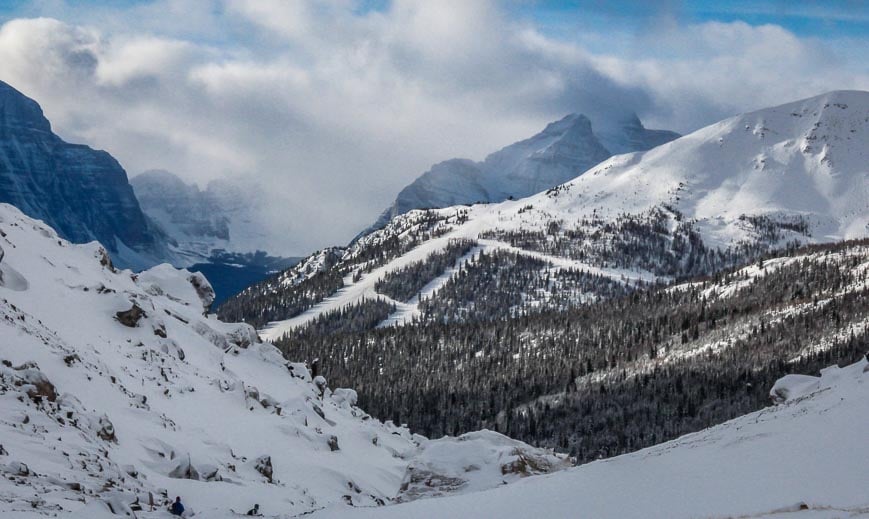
x: 618, y: 375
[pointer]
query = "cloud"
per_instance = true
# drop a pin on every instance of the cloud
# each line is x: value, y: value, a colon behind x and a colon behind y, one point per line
x: 336, y: 109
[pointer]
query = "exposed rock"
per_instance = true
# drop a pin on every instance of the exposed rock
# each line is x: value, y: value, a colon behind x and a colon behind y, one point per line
x: 160, y: 331
x: 263, y: 465
x: 106, y: 429
x: 185, y: 470
x: 35, y: 383
x: 203, y: 289
x: 333, y: 443
x: 131, y: 317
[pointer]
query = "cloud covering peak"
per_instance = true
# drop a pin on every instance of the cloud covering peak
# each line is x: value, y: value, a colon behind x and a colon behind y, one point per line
x: 334, y: 107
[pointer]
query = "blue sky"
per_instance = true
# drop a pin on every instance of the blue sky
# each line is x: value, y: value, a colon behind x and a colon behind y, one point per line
x: 818, y: 18
x: 318, y: 99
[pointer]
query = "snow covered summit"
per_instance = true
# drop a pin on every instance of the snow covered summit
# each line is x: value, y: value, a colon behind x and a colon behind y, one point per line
x: 563, y: 150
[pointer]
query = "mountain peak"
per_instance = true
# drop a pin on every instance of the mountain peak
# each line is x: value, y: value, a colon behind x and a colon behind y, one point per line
x: 83, y: 193
x: 567, y: 123
x: 20, y: 113
x: 565, y: 149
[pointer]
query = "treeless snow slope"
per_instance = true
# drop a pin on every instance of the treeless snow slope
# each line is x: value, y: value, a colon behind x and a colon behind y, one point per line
x: 808, y: 158
x: 807, y: 457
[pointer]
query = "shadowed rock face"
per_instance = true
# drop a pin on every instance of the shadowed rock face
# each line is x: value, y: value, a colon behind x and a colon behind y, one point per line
x: 83, y: 193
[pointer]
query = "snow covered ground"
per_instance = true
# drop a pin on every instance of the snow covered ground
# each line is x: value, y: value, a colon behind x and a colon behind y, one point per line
x: 115, y: 386
x: 807, y: 457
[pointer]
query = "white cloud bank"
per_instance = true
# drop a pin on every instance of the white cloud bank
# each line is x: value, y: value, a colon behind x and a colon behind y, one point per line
x: 335, y: 110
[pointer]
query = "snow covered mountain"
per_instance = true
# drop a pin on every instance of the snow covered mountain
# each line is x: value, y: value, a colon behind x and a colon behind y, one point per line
x: 115, y: 386
x: 563, y: 150
x: 224, y: 216
x: 797, y: 173
x: 81, y: 192
x: 805, y: 458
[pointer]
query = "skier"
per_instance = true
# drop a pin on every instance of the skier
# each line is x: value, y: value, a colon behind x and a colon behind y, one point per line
x: 177, y: 508
x: 254, y: 511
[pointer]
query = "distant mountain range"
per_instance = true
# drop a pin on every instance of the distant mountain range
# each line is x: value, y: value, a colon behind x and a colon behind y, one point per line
x: 85, y: 195
x: 225, y: 216
x: 561, y: 152
x: 720, y: 196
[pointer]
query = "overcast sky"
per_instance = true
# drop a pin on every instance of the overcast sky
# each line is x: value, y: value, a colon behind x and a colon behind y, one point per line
x: 335, y: 105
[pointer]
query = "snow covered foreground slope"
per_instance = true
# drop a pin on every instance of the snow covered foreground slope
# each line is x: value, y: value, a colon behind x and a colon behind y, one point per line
x: 806, y: 457
x: 114, y: 386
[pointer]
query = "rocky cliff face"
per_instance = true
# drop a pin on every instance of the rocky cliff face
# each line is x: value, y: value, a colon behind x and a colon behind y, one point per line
x: 561, y: 152
x: 81, y: 192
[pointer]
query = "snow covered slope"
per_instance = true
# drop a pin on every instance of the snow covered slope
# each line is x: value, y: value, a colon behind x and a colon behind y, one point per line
x: 81, y: 192
x: 563, y: 150
x: 805, y: 458
x: 709, y: 200
x: 115, y: 385
x: 803, y: 163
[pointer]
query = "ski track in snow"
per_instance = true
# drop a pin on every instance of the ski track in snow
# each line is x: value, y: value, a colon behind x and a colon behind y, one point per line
x: 405, y: 311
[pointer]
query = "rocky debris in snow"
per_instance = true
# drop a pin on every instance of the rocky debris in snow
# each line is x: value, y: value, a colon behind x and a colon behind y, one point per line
x: 263, y: 465
x: 131, y: 317
x: 28, y: 378
x: 160, y: 330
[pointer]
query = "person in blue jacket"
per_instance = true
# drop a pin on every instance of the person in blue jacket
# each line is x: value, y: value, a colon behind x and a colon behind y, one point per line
x: 177, y: 508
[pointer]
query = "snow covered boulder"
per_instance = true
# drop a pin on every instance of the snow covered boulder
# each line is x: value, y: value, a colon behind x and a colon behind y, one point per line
x: 28, y: 378
x: 792, y: 387
x: 345, y: 398
x: 190, y: 288
x: 474, y: 461
x: 243, y: 335
x: 106, y: 429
